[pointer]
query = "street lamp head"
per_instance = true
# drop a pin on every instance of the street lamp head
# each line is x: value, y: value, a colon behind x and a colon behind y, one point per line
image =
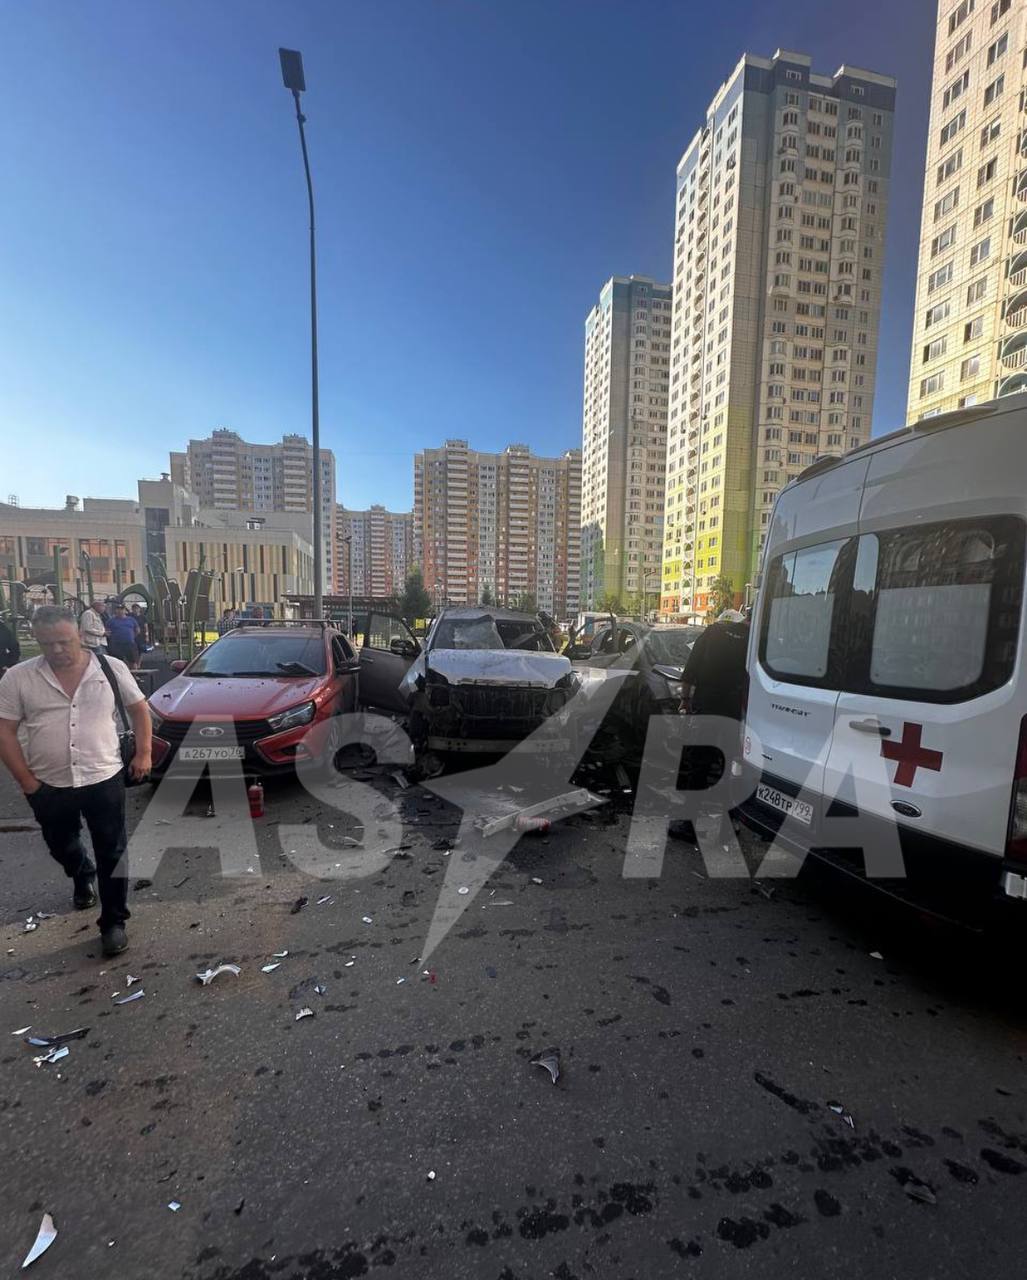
x: 292, y: 69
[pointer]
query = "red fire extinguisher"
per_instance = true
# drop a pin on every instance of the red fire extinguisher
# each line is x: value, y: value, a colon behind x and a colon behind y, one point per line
x: 255, y: 795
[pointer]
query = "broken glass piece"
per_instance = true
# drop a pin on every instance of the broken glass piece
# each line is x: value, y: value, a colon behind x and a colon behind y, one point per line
x: 549, y: 1060
x: 208, y: 975
x: 136, y: 995
x: 45, y: 1237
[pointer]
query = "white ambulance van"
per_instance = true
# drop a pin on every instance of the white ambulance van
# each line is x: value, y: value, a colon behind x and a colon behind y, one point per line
x: 886, y: 672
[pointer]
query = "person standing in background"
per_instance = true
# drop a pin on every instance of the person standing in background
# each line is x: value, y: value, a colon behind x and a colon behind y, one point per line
x: 123, y: 637
x: 10, y: 650
x: 92, y: 629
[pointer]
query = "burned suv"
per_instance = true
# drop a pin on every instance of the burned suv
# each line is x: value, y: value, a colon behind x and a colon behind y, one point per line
x: 485, y: 680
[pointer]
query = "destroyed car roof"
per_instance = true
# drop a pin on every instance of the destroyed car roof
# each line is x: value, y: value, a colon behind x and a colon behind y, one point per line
x: 486, y: 611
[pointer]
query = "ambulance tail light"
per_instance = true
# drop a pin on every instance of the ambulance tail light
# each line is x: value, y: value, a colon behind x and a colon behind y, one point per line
x: 1016, y: 843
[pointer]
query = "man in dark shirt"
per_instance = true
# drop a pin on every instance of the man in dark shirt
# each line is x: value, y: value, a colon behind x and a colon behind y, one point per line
x: 10, y: 650
x: 716, y: 667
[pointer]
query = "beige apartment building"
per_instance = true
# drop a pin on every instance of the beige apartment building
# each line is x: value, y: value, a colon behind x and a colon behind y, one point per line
x: 379, y: 545
x: 970, y: 328
x: 229, y: 473
x: 624, y: 440
x: 509, y: 522
x: 782, y: 197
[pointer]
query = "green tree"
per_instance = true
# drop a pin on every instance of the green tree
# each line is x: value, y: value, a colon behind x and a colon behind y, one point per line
x: 416, y: 602
x: 721, y: 595
x: 526, y: 602
x: 486, y: 595
x: 610, y: 602
x: 633, y: 605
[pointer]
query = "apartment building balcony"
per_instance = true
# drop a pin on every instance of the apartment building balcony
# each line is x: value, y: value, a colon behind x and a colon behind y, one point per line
x: 1014, y: 351
x: 1018, y: 269
x: 1013, y: 385
x: 1020, y: 228
x: 1016, y: 311
x: 1021, y: 187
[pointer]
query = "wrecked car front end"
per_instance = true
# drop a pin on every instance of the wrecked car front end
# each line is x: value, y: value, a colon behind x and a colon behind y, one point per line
x: 486, y: 700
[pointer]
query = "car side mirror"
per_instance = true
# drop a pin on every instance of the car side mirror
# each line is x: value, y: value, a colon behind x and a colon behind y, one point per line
x: 178, y: 665
x: 403, y: 648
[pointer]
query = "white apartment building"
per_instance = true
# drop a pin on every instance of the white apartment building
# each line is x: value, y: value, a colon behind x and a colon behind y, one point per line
x: 509, y: 522
x: 232, y: 474
x: 782, y: 196
x: 379, y: 545
x: 624, y: 439
x: 970, y: 328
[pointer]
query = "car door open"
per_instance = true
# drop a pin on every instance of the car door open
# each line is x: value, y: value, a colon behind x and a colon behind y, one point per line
x: 387, y: 650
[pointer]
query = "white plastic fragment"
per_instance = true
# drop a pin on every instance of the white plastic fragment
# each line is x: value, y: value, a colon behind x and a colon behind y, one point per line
x: 431, y: 1175
x: 22, y: 1030
x: 876, y: 955
x: 136, y: 995
x: 52, y: 1055
x: 174, y: 1206
x: 208, y: 975
x: 367, y: 920
x: 536, y: 880
x: 321, y: 901
x: 270, y: 968
x: 45, y: 1237
x: 399, y: 980
x: 279, y: 955
x: 349, y: 964
x: 304, y: 1013
x: 463, y: 889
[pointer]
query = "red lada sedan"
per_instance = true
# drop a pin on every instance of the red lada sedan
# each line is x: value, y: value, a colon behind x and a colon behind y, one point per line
x: 262, y: 695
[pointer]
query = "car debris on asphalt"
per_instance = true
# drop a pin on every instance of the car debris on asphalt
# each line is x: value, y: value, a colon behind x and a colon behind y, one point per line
x: 136, y: 995
x: 839, y: 1110
x: 51, y: 1055
x: 45, y: 1237
x: 174, y: 1205
x: 298, y: 906
x: 47, y: 1042
x: 270, y: 968
x: 208, y: 975
x: 304, y: 1013
x: 548, y: 1060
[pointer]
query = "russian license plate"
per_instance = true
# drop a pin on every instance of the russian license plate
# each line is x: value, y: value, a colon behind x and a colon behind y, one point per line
x: 211, y: 753
x: 798, y: 809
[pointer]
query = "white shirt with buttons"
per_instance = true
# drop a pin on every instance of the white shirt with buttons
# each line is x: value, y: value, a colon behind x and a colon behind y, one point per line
x: 67, y: 742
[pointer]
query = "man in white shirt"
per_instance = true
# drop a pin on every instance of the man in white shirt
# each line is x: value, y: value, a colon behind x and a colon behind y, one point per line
x: 91, y: 628
x: 59, y: 738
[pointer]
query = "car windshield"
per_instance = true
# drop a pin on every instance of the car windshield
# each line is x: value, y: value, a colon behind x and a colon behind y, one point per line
x: 262, y: 654
x: 671, y: 648
x: 487, y: 632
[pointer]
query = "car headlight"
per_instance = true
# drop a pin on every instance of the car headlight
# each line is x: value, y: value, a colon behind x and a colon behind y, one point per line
x: 303, y: 714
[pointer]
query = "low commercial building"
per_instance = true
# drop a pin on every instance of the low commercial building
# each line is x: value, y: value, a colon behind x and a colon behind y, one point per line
x: 105, y: 533
x: 256, y: 562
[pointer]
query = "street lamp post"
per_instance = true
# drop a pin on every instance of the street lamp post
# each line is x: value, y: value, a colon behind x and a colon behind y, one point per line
x: 349, y: 577
x: 293, y: 78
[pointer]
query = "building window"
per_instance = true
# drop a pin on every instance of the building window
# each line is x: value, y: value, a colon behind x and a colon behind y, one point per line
x: 980, y: 251
x: 930, y: 386
x: 970, y: 368
x: 994, y: 90
x: 948, y: 131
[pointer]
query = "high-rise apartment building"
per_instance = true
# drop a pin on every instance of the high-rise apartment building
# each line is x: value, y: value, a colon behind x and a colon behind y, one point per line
x: 232, y: 474
x: 624, y: 439
x: 379, y: 544
x: 970, y: 328
x: 779, y: 245
x: 509, y: 522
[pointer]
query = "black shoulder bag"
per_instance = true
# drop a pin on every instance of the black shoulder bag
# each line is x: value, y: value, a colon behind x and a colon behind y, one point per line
x: 126, y: 734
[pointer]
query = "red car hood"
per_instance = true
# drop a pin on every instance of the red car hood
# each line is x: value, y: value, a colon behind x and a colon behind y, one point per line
x: 232, y: 698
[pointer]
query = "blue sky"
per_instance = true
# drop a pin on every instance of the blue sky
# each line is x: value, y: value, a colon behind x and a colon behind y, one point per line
x: 480, y: 169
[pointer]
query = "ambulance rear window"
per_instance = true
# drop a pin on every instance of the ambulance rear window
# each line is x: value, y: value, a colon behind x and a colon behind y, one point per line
x: 947, y: 609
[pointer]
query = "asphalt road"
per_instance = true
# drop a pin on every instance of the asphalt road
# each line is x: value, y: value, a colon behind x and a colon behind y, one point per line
x: 703, y: 1031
